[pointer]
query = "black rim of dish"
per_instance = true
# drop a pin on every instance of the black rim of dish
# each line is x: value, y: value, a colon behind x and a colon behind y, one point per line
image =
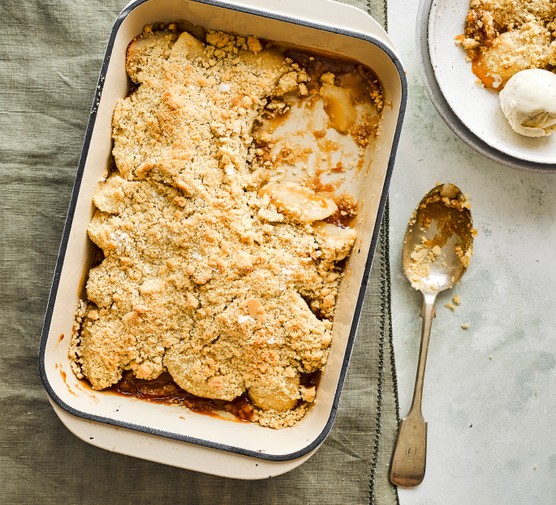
x: 314, y: 444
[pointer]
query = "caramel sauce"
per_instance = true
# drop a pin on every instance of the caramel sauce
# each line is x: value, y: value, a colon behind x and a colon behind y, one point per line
x: 482, y: 73
x: 164, y: 390
x: 320, y: 187
x: 346, y: 213
x: 65, y: 379
x: 311, y: 379
x: 339, y: 168
x: 94, y: 258
x: 341, y: 220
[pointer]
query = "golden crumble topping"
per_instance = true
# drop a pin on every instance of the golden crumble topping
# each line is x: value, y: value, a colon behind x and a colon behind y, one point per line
x: 503, y: 37
x: 221, y: 256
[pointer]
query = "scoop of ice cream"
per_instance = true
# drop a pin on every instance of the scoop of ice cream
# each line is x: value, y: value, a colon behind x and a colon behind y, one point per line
x: 529, y: 102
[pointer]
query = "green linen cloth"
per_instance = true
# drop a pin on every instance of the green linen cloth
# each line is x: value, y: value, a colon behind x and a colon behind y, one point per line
x: 50, y: 56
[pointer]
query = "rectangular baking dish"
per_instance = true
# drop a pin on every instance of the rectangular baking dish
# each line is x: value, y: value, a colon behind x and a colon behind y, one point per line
x: 174, y: 435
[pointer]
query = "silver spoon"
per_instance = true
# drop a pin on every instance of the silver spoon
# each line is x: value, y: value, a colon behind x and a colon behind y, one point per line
x: 437, y: 247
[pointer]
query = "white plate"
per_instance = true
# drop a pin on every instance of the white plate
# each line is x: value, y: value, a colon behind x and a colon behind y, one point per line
x: 470, y: 110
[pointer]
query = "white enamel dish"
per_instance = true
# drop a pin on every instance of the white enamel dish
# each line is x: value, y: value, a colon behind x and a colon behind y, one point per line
x: 173, y: 435
x: 471, y: 111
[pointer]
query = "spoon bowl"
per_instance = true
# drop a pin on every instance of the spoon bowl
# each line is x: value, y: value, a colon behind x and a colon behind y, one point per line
x: 438, y: 243
x: 437, y: 247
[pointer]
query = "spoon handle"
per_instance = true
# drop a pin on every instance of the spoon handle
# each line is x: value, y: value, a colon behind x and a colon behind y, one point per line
x: 407, y: 468
x: 409, y: 460
x: 428, y: 314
